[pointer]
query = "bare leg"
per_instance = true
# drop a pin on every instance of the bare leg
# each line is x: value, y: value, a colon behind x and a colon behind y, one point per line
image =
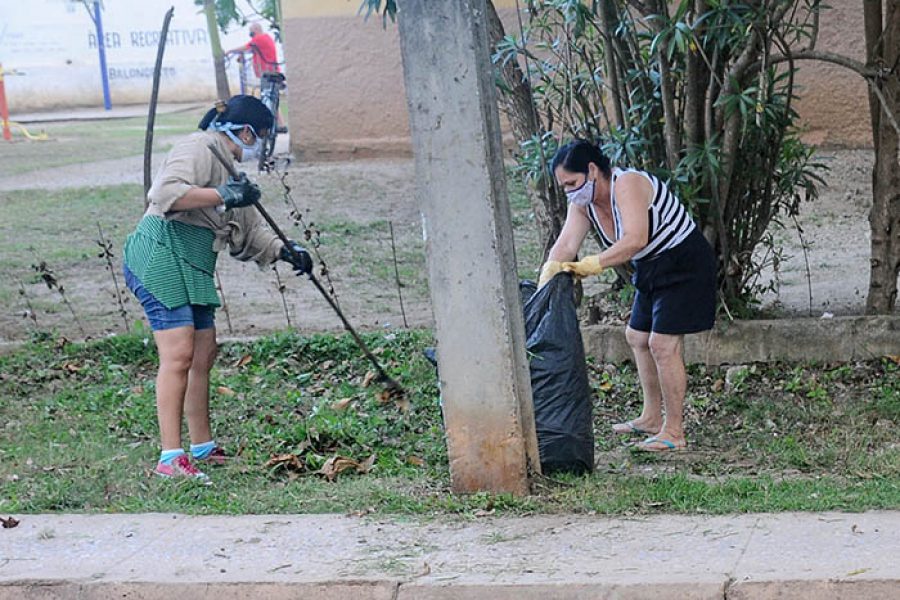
x: 667, y: 352
x: 196, y: 400
x: 651, y: 416
x: 176, y: 350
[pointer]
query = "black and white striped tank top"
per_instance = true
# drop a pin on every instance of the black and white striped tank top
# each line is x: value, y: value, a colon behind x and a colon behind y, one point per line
x: 668, y: 219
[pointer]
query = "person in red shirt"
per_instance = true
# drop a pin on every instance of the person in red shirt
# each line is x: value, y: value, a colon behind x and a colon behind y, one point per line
x: 265, y: 59
x: 261, y: 44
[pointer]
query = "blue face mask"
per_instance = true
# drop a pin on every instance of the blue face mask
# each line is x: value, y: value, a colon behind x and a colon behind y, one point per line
x: 582, y: 195
x: 249, y: 152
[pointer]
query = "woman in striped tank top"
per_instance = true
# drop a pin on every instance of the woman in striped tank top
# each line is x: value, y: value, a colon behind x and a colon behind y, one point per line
x: 194, y: 211
x: 639, y: 219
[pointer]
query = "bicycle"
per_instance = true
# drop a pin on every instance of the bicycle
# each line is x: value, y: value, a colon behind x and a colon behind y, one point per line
x: 271, y: 84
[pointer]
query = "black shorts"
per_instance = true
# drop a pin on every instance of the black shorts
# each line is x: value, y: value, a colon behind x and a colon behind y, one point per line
x: 676, y: 290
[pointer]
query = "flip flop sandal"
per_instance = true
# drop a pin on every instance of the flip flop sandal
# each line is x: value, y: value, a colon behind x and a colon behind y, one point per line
x: 646, y: 445
x: 632, y: 429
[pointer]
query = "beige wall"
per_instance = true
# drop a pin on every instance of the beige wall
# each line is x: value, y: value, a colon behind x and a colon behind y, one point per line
x: 833, y: 103
x: 346, y: 95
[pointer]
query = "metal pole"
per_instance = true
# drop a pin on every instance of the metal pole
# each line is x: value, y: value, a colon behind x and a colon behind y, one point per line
x: 101, y: 47
x: 4, y: 109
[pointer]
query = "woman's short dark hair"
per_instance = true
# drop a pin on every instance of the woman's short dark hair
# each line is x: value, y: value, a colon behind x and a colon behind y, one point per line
x: 240, y: 110
x: 577, y: 154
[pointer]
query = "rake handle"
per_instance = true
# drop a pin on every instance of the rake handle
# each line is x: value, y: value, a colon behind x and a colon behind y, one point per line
x: 382, y: 375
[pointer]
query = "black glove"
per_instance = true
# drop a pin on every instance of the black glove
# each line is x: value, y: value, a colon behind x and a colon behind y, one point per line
x: 300, y: 259
x: 239, y: 192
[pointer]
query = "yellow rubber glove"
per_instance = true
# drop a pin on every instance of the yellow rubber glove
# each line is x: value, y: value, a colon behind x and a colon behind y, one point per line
x: 550, y: 268
x: 589, y: 265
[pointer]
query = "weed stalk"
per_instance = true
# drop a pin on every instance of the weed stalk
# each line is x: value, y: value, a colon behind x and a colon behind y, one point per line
x: 224, y: 303
x: 281, y: 288
x: 46, y: 274
x: 397, y: 274
x: 805, y: 246
x: 29, y: 313
x: 107, y: 254
x: 310, y: 235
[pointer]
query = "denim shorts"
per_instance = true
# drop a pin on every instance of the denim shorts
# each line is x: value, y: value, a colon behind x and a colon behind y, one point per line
x: 160, y: 317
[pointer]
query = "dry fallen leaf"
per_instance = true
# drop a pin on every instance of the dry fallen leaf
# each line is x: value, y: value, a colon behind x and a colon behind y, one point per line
x: 416, y: 461
x: 244, y: 360
x: 402, y: 403
x: 225, y: 391
x: 606, y: 386
x: 342, y: 404
x: 71, y: 367
x: 338, y: 464
x: 366, y: 465
x: 335, y: 466
x: 287, y: 461
x: 483, y: 513
x: 9, y: 522
x: 894, y: 357
x: 370, y: 376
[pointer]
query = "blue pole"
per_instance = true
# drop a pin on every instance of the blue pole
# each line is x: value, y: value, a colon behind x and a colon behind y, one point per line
x: 101, y: 47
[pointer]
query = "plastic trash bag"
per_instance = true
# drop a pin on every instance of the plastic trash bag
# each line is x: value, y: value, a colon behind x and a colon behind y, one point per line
x: 559, y: 380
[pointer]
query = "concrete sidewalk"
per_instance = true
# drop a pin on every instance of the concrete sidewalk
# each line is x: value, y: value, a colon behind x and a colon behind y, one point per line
x: 319, y: 557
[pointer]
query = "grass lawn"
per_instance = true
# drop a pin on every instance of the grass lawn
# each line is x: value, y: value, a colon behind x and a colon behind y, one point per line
x: 79, y: 434
x: 78, y: 425
x: 77, y: 142
x: 60, y: 227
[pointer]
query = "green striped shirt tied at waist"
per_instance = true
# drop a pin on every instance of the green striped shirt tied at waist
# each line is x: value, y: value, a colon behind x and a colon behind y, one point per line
x: 174, y: 261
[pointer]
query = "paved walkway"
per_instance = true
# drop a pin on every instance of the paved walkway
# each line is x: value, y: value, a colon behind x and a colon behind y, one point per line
x: 93, y: 113
x: 319, y: 557
x: 114, y: 171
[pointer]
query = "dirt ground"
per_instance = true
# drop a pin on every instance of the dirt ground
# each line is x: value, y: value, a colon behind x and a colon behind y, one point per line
x: 357, y: 201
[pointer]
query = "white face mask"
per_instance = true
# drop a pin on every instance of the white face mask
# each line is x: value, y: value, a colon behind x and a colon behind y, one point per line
x: 583, y: 195
x: 249, y: 152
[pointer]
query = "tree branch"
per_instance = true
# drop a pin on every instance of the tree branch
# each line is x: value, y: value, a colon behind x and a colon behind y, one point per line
x: 829, y: 57
x: 870, y: 74
x: 884, y: 104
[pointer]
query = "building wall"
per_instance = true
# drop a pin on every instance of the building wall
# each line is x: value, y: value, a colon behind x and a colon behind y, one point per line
x: 54, y: 43
x: 833, y: 103
x: 347, y: 98
x: 345, y: 78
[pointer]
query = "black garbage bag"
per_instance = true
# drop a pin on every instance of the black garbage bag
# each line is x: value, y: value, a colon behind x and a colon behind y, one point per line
x: 559, y: 380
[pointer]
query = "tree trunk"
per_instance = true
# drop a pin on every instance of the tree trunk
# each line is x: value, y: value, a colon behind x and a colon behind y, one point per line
x: 516, y: 102
x: 209, y: 9
x: 883, y: 52
x: 696, y: 78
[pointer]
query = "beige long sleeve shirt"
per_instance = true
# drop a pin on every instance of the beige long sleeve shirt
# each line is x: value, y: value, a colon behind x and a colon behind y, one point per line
x: 191, y: 164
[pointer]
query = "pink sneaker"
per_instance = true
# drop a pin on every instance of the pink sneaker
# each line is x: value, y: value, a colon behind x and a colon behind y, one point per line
x: 217, y: 457
x: 181, y: 467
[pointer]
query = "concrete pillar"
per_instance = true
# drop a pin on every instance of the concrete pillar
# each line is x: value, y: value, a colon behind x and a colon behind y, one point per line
x: 461, y: 188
